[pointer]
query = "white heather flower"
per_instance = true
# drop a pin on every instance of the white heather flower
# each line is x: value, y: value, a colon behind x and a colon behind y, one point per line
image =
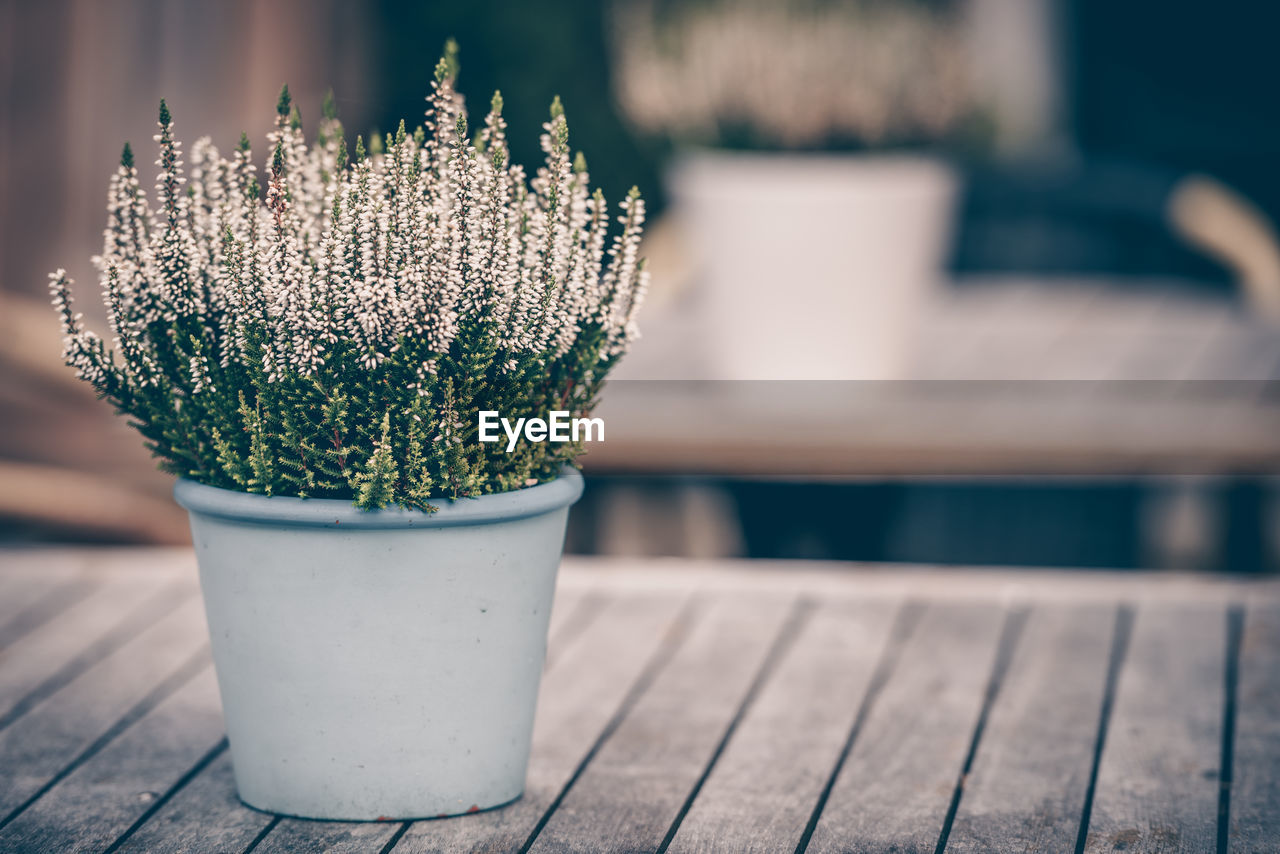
x: 200, y: 380
x: 82, y: 349
x: 324, y: 258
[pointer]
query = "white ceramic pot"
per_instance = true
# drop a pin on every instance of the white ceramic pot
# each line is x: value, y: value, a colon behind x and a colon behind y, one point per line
x: 813, y: 266
x: 379, y: 665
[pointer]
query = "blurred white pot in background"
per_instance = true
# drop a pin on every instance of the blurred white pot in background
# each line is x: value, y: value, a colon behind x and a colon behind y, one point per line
x: 813, y: 266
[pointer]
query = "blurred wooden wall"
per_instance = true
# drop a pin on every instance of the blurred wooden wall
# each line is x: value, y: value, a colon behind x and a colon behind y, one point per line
x: 77, y: 79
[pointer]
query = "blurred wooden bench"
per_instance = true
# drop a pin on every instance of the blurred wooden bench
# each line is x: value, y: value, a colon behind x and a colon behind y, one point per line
x: 1010, y: 376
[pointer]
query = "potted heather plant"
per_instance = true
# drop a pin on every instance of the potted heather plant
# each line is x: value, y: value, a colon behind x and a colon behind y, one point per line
x: 807, y: 140
x: 309, y: 350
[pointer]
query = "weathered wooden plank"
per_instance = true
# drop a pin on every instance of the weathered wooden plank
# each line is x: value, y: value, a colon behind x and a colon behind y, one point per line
x: 203, y: 817
x: 895, y: 787
x: 91, y: 807
x: 628, y: 796
x: 1157, y: 785
x: 573, y: 611
x: 1255, y: 788
x: 299, y: 836
x: 10, y: 583
x: 580, y: 694
x: 1026, y: 791
x: 42, y: 743
x: 20, y: 566
x: 564, y: 610
x: 66, y: 646
x: 36, y: 600
x: 760, y: 794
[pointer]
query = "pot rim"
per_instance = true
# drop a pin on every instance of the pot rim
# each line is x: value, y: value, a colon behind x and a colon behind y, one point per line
x: 292, y: 512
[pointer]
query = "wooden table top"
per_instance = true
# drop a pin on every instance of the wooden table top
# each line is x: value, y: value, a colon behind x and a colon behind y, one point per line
x: 704, y: 706
x: 1008, y: 376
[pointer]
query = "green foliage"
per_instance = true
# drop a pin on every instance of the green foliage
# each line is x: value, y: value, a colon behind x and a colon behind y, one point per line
x: 376, y: 484
x: 450, y: 59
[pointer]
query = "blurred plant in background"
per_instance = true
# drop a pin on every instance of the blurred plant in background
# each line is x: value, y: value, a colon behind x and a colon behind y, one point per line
x: 755, y: 74
x: 807, y: 138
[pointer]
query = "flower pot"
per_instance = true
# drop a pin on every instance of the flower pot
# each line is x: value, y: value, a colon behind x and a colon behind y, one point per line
x: 384, y: 664
x: 813, y: 266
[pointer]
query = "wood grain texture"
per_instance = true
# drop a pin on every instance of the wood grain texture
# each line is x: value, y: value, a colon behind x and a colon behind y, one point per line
x: 63, y: 648
x: 573, y: 612
x: 584, y: 689
x: 91, y: 807
x: 761, y: 793
x: 41, y: 743
x: 1255, y: 789
x: 204, y: 817
x: 38, y: 600
x: 26, y: 576
x: 1157, y: 786
x: 1027, y: 788
x: 628, y: 796
x: 895, y: 787
x: 299, y: 836
x: 566, y: 613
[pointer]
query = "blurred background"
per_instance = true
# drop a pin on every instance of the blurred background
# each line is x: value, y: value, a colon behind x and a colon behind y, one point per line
x: 944, y: 281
